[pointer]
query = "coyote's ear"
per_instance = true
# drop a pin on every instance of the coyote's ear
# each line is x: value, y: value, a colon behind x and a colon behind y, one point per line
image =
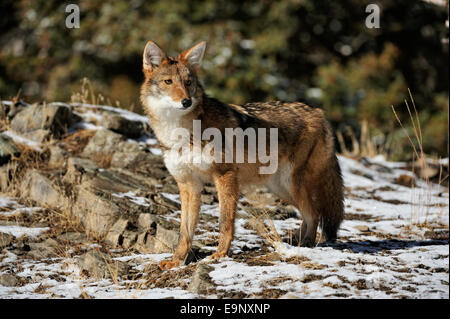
x: 153, y: 56
x: 194, y: 55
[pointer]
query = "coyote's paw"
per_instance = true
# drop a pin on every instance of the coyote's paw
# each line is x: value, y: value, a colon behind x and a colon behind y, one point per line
x: 308, y: 242
x: 168, y: 264
x: 218, y: 255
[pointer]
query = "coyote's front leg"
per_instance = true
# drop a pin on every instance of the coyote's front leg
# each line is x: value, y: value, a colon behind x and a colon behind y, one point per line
x: 190, y: 207
x: 228, y: 192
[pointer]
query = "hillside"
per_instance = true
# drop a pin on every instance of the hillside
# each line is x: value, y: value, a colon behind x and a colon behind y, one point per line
x: 87, y: 210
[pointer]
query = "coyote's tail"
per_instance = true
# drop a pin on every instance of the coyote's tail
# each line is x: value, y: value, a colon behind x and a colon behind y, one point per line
x: 332, y: 200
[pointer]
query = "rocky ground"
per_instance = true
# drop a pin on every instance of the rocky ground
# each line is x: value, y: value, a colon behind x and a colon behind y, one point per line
x: 87, y: 210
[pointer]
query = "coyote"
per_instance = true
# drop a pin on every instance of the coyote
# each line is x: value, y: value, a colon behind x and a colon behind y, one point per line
x: 308, y: 175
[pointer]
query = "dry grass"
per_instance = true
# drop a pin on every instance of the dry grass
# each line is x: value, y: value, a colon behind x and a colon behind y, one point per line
x: 76, y: 142
x: 87, y: 95
x: 421, y: 198
x: 265, y: 227
x: 367, y: 145
x: 104, y: 160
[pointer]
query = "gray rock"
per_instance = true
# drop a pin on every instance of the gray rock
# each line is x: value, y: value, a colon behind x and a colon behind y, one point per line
x: 129, y: 239
x: 141, y: 241
x: 168, y: 238
x: 129, y: 153
x: 55, y: 117
x: 100, y: 201
x: 94, y: 210
x: 126, y: 180
x: 45, y: 249
x: 121, y: 125
x: 165, y: 241
x: 103, y: 143
x: 39, y: 188
x: 79, y: 170
x: 114, y: 236
x: 148, y: 222
x: 10, y: 109
x: 73, y: 237
x: 38, y: 136
x: 8, y: 149
x: 164, y: 200
x: 6, y: 240
x: 99, y: 266
x: 201, y: 283
x: 8, y: 280
x: 362, y: 228
x: 58, y: 156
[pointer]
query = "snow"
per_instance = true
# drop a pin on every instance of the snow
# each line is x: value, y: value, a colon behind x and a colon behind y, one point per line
x: 22, y: 140
x: 10, y: 207
x: 18, y: 231
x: 124, y: 113
x: 133, y: 198
x: 382, y: 250
x: 156, y: 151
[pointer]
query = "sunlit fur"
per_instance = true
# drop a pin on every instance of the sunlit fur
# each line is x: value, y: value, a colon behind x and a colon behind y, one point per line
x: 308, y: 174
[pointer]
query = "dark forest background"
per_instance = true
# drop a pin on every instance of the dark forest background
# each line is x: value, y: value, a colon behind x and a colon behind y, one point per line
x: 316, y: 51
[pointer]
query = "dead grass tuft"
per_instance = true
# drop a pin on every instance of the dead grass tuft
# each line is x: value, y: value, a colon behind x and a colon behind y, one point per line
x: 264, y: 226
x: 421, y: 198
x: 76, y: 142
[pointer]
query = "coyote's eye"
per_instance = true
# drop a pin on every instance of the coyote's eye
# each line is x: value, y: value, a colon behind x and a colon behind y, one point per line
x: 169, y: 81
x: 188, y: 82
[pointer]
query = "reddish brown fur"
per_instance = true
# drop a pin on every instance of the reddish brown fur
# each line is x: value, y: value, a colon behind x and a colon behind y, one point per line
x: 305, y: 151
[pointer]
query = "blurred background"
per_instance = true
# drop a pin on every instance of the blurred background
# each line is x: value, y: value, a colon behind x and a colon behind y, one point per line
x: 316, y: 51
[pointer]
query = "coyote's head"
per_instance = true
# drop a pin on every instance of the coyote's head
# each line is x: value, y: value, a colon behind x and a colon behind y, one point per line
x: 171, y: 84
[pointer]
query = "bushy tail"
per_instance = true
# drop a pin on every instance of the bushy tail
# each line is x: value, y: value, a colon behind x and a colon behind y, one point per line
x: 331, y: 200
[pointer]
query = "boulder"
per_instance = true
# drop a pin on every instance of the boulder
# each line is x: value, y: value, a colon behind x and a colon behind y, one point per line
x: 164, y: 241
x: 99, y: 266
x: 73, y: 237
x: 147, y: 222
x: 129, y: 238
x: 10, y: 109
x: 103, y: 143
x: 39, y: 188
x: 82, y: 169
x: 122, y: 125
x: 95, y: 210
x: 55, y: 117
x: 105, y: 195
x: 201, y: 283
x: 168, y: 238
x: 8, y: 149
x: 58, y: 156
x: 79, y: 170
x: 8, y: 280
x: 131, y: 154
x: 166, y: 201
x: 114, y: 236
x: 6, y: 240
x: 38, y: 136
x: 45, y: 249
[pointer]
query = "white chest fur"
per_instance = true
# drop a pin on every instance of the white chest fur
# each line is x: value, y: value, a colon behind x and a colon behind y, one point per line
x: 173, y: 132
x: 181, y: 164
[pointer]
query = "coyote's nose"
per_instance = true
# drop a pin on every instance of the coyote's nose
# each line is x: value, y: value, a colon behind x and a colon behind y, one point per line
x: 186, y: 103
